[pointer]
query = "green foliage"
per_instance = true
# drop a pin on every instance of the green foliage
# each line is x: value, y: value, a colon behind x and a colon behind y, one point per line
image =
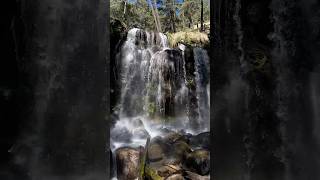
x: 137, y: 14
x: 174, y: 16
x: 190, y: 12
x: 152, y: 174
x: 191, y: 38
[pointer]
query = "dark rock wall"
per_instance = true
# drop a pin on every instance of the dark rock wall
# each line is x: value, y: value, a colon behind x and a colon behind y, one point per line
x: 61, y: 92
x: 264, y: 108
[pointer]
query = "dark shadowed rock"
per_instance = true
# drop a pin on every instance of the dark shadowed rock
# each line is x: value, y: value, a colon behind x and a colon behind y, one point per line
x: 198, y: 161
x: 161, y: 141
x: 166, y: 131
x: 201, y: 140
x: 193, y: 176
x: 127, y: 160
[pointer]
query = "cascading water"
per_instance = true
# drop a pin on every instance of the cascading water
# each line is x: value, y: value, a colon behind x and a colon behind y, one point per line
x: 155, y: 90
x: 202, y: 80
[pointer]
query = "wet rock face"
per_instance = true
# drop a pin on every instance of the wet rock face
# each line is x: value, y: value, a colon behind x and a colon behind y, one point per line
x: 127, y: 163
x: 198, y: 161
x: 167, y: 74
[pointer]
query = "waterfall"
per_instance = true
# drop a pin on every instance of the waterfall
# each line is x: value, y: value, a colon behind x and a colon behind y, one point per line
x: 154, y: 90
x: 202, y: 80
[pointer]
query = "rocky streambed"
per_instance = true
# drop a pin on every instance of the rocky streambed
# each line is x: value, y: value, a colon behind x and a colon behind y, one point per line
x: 172, y: 156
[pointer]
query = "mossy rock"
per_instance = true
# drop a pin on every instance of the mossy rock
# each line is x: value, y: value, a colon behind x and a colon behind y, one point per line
x: 175, y: 177
x: 127, y: 162
x: 155, y: 152
x: 151, y: 174
x: 194, y: 176
x: 168, y: 170
x: 198, y: 161
x: 173, y: 137
x: 181, y: 150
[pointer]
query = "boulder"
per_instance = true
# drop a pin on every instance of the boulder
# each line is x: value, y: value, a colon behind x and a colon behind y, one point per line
x: 138, y: 129
x: 166, y: 131
x: 140, y: 133
x: 127, y: 162
x: 171, y: 159
x: 201, y: 140
x: 198, y: 161
x: 121, y: 135
x: 175, y: 177
x: 168, y: 170
x: 179, y: 151
x: 137, y: 123
x: 193, y: 176
x: 151, y: 174
x: 155, y: 152
x: 173, y: 137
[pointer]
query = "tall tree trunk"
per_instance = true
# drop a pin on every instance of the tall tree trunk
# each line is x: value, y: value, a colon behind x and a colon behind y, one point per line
x: 157, y: 15
x: 124, y: 8
x: 125, y: 12
x: 190, y: 22
x: 154, y: 17
x: 172, y: 18
x: 183, y: 21
x: 173, y: 28
x: 201, y: 17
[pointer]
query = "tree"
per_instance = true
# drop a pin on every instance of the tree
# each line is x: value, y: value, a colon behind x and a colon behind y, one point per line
x: 170, y: 12
x: 155, y: 15
x: 188, y: 9
x: 161, y: 15
x: 201, y: 17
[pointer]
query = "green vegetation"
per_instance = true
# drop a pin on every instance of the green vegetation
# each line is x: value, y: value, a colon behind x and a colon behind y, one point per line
x: 162, y: 15
x: 152, y: 174
x: 192, y: 38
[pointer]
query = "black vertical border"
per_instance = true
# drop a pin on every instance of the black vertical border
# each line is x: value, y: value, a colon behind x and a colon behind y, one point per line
x: 213, y: 31
x: 106, y: 48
